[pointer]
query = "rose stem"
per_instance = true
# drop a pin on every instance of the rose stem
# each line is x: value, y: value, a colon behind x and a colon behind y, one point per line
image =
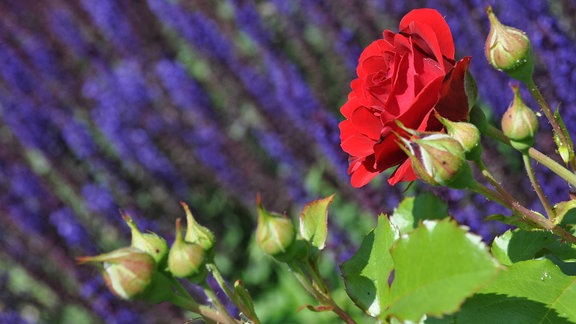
x: 528, y: 165
x: 536, y: 155
x: 535, y: 92
x: 512, y: 203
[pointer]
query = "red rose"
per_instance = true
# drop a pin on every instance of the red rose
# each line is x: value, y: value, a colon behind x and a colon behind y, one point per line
x: 406, y: 77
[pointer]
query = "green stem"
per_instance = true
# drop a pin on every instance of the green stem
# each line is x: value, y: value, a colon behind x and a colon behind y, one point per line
x: 507, y: 200
x: 537, y: 156
x: 219, y: 307
x: 502, y: 196
x: 179, y: 287
x: 535, y: 92
x: 553, y: 166
x: 232, y: 294
x: 316, y: 287
x: 206, y: 312
x: 536, y: 186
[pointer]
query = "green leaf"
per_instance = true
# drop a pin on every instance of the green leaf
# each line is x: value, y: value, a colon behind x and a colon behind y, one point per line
x: 519, y: 245
x: 314, y: 222
x: 414, y: 209
x: 366, y: 273
x: 471, y: 89
x: 494, y: 308
x: 540, y: 281
x: 437, y: 267
x: 566, y: 150
x: 565, y: 212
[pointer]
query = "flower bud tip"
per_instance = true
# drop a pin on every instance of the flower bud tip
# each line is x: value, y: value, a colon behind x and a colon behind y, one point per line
x: 508, y: 49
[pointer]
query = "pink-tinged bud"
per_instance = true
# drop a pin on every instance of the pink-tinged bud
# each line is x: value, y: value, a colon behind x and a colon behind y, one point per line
x: 185, y: 259
x: 196, y: 233
x: 466, y: 134
x: 275, y: 233
x: 439, y: 159
x: 150, y: 242
x: 508, y: 49
x: 128, y: 272
x: 519, y: 123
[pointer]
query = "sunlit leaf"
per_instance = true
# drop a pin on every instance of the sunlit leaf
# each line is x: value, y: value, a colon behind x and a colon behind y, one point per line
x: 414, y: 209
x: 519, y: 245
x: 437, y: 267
x: 314, y: 222
x: 366, y: 274
x: 539, y: 281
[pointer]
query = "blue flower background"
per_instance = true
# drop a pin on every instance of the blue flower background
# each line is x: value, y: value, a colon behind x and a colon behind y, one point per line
x: 137, y: 105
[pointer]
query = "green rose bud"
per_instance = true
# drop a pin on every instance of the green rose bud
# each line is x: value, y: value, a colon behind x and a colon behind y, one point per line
x: 519, y: 123
x: 439, y: 159
x: 275, y: 233
x: 509, y: 50
x: 185, y: 259
x: 196, y: 233
x: 150, y: 243
x: 466, y: 134
x: 128, y: 272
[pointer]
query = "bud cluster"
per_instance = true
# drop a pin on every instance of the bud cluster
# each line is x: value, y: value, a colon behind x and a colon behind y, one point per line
x: 142, y: 271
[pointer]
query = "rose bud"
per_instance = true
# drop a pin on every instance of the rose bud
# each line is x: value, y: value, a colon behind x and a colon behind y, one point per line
x: 508, y: 49
x: 196, y: 233
x: 466, y: 134
x: 128, y: 272
x: 519, y: 123
x: 185, y: 259
x: 439, y: 159
x: 150, y: 242
x: 275, y: 233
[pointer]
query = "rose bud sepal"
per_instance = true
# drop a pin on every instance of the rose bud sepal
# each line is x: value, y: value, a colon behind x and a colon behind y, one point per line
x: 196, y: 233
x: 130, y: 273
x: 519, y: 123
x: 466, y: 134
x: 185, y: 259
x: 275, y: 234
x: 150, y: 243
x: 438, y: 159
x: 508, y: 49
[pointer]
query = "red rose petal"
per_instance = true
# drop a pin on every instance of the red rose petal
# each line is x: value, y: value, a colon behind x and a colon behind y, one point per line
x: 437, y: 23
x: 350, y: 106
x: 403, y: 173
x: 367, y: 123
x: 361, y: 176
x: 422, y: 104
x: 453, y: 102
x: 358, y: 145
x: 387, y: 153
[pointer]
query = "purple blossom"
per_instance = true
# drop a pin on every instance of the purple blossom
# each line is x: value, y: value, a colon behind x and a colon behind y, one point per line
x: 110, y: 17
x: 66, y: 27
x: 99, y: 199
x: 68, y: 227
x: 184, y: 91
x: 136, y: 106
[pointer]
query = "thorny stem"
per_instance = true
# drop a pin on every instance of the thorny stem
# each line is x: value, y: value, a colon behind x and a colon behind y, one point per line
x: 507, y: 200
x: 528, y: 165
x: 550, y: 115
x: 537, y: 156
x: 231, y: 294
x: 219, y: 307
x: 206, y: 312
x: 309, y: 278
x: 179, y: 287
